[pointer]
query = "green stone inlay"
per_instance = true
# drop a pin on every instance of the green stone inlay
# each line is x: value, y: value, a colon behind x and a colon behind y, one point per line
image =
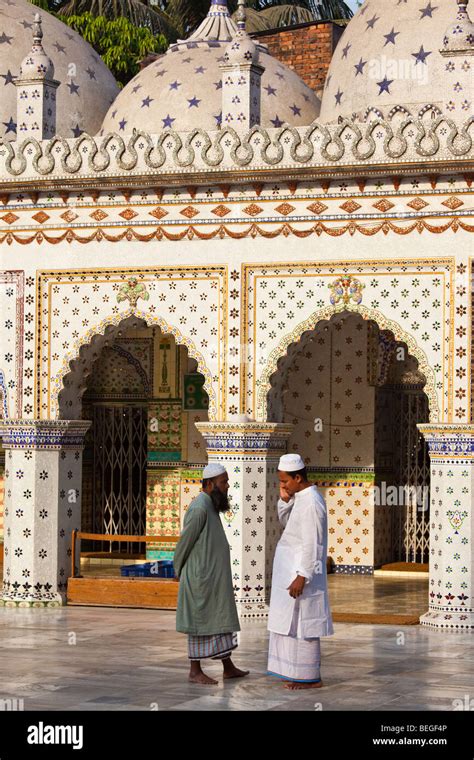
x: 164, y: 456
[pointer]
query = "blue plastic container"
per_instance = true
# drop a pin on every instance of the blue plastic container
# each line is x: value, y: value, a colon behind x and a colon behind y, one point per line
x: 161, y: 568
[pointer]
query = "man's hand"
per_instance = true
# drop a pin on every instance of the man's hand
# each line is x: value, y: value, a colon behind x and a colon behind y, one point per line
x: 284, y: 495
x: 296, y: 588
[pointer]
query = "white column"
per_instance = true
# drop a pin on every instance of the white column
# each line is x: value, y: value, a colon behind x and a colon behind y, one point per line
x: 250, y: 451
x: 43, y: 474
x: 451, y: 590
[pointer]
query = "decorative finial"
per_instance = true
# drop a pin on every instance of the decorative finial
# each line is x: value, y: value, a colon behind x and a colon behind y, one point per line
x: 37, y: 30
x: 241, y: 16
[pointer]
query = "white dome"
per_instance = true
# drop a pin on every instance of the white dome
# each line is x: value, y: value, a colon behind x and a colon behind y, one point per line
x: 87, y: 86
x: 182, y: 90
x: 390, y: 57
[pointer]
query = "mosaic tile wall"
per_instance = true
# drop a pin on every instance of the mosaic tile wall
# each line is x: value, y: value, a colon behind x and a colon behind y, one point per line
x: 137, y: 369
x: 331, y: 387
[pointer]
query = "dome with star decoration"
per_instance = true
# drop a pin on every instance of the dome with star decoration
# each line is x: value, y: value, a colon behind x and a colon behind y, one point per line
x: 87, y: 87
x: 182, y: 90
x: 396, y: 57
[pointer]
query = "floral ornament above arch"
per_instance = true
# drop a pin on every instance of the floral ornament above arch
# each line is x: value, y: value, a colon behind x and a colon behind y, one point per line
x: 346, y: 289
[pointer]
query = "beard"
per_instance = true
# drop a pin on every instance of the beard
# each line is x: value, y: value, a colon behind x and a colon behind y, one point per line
x: 220, y: 500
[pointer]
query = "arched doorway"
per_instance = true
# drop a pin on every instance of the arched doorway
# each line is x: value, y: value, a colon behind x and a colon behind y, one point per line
x: 355, y: 396
x: 143, y: 455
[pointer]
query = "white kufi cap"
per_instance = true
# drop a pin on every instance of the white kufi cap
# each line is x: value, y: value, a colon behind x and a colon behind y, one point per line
x: 212, y: 470
x: 291, y: 463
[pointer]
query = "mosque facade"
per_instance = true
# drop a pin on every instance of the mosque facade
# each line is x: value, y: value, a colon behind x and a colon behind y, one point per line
x: 218, y: 263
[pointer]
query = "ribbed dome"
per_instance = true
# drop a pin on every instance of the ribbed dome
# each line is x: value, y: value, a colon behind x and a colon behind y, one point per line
x: 82, y: 97
x: 182, y: 90
x: 389, y: 60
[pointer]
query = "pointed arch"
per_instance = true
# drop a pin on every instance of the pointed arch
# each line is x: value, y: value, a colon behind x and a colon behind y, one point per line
x: 291, y: 341
x: 69, y: 385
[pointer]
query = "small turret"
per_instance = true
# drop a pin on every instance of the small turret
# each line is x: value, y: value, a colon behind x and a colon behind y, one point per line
x: 36, y: 91
x: 241, y: 79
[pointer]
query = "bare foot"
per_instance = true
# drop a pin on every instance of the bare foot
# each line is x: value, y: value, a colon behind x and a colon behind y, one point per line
x: 235, y: 673
x: 202, y: 679
x: 293, y: 685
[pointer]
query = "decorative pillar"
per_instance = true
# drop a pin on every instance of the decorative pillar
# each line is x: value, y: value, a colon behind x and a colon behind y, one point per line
x: 36, y: 91
x: 43, y: 472
x: 250, y: 451
x: 451, y: 593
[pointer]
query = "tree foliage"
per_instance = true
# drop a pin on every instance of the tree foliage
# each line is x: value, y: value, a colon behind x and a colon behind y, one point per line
x: 177, y: 18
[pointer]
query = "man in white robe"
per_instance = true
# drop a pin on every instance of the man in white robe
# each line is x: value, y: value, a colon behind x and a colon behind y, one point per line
x: 299, y: 606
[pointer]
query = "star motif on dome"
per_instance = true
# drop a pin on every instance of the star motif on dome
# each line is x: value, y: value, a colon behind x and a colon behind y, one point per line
x: 338, y: 96
x: 168, y: 122
x: 146, y: 101
x: 26, y: 25
x: 122, y: 124
x: 270, y: 90
x: 59, y: 48
x: 194, y: 101
x: 10, y: 126
x: 371, y: 23
x: 276, y: 122
x: 421, y: 56
x: 76, y: 131
x: 279, y: 75
x: 136, y: 88
x: 390, y: 37
x: 160, y: 73
x: 8, y: 77
x: 73, y: 88
x: 346, y: 50
x: 174, y: 85
x: 200, y: 70
x: 296, y: 110
x: 385, y: 85
x: 218, y: 85
x: 428, y: 11
x: 91, y: 73
x: 218, y: 119
x: 359, y: 67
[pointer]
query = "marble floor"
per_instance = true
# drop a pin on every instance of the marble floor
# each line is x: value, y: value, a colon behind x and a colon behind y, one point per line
x: 90, y: 658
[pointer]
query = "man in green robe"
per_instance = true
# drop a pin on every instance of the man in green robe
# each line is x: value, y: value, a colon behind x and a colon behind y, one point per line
x: 206, y: 605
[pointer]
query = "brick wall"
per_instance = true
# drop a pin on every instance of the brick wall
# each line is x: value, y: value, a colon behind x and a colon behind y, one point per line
x: 305, y: 48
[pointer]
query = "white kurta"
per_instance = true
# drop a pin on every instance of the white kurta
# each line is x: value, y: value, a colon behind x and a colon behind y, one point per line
x: 301, y: 550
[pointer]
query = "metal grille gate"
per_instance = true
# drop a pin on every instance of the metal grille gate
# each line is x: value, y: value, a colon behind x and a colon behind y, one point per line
x: 411, y: 521
x: 119, y: 467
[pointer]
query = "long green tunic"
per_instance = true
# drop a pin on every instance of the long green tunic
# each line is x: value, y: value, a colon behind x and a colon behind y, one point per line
x: 206, y: 603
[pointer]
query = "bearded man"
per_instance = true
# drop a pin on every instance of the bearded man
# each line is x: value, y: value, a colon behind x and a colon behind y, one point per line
x: 206, y: 605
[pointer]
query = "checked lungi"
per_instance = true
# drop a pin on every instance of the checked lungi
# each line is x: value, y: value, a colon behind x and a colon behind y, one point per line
x: 216, y: 646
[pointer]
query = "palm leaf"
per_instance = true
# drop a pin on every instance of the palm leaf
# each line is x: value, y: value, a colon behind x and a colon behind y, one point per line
x: 286, y: 15
x: 155, y: 19
x: 256, y: 22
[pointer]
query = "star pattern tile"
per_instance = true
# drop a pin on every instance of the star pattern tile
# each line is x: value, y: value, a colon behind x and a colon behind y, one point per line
x: 183, y: 89
x: 389, y: 55
x: 82, y: 99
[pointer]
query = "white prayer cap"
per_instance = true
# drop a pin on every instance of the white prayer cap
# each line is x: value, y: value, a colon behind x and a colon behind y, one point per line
x: 212, y: 470
x: 290, y: 463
